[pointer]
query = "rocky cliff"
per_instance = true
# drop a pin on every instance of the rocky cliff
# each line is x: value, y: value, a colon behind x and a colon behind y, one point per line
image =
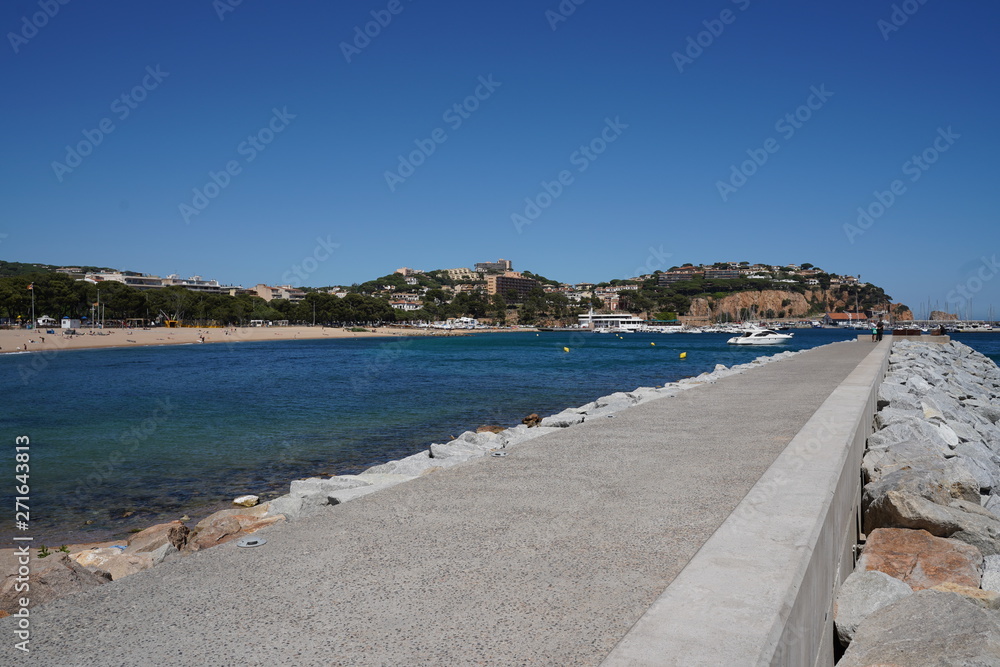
x: 777, y: 303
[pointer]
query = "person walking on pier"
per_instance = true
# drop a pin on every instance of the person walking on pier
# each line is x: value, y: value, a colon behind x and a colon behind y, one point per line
x: 874, y: 331
x: 879, y: 329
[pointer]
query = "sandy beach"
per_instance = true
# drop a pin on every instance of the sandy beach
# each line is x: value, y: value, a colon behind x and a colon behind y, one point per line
x: 21, y: 340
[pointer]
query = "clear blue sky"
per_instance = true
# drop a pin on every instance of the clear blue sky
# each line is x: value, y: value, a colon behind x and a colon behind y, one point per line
x: 886, y: 95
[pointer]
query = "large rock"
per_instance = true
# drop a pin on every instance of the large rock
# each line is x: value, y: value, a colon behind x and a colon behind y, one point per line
x: 939, y: 481
x: 928, y: 629
x: 914, y: 430
x: 864, y: 592
x: 921, y: 560
x: 878, y: 463
x: 896, y: 396
x: 174, y: 533
x: 227, y: 525
x: 563, y: 419
x: 959, y: 519
x: 127, y: 564
x: 889, y: 416
x: 991, y: 574
x: 96, y: 559
x: 983, y: 598
x: 990, y: 412
x: 613, y: 403
x: 53, y: 577
x: 313, y: 485
x: 248, y: 500
x: 411, y: 465
x: 454, y: 449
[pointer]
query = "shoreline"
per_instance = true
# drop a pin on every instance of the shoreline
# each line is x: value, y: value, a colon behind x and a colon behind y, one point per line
x: 14, y: 341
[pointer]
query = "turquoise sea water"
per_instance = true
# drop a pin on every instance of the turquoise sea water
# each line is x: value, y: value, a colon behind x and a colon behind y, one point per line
x: 123, y: 438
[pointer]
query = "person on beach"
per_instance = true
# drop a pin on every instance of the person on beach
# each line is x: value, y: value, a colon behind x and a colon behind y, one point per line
x: 879, y: 329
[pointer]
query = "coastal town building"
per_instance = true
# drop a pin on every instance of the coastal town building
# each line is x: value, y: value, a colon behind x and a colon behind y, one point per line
x: 130, y: 278
x: 286, y: 292
x: 462, y: 274
x: 677, y: 275
x: 499, y: 266
x: 841, y: 319
x: 400, y: 304
x: 197, y: 284
x: 407, y: 271
x: 511, y: 285
x: 721, y: 274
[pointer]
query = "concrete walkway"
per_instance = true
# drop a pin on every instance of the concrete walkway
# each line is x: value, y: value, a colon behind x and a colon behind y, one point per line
x: 545, y: 557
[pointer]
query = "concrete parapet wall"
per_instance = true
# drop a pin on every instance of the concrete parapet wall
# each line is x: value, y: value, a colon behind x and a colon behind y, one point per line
x: 761, y: 589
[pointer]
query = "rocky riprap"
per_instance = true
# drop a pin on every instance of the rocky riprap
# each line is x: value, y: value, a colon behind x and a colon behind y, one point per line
x: 85, y: 566
x: 926, y: 590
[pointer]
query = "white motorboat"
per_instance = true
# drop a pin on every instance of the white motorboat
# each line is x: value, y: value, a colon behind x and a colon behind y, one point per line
x: 760, y: 337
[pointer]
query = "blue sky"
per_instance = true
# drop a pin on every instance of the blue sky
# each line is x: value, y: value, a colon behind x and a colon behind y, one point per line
x: 611, y: 119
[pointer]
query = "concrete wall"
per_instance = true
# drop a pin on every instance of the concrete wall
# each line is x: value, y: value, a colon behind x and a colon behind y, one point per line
x: 760, y: 591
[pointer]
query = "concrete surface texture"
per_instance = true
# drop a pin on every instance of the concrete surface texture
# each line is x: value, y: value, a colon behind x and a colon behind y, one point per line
x: 546, y: 556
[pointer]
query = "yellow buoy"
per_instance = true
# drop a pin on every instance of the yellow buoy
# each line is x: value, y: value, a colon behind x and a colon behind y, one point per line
x: 684, y: 355
x: 565, y: 349
x: 652, y: 343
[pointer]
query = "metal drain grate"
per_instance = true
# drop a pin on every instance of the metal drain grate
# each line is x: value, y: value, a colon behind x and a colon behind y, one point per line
x: 251, y: 542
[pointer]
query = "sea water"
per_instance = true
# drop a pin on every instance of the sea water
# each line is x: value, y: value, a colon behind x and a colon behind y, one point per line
x: 124, y: 438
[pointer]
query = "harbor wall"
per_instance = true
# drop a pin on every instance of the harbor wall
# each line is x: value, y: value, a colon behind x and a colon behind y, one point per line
x: 761, y: 589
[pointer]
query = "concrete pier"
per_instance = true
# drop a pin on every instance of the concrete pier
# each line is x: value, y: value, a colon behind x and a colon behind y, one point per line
x: 564, y: 552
